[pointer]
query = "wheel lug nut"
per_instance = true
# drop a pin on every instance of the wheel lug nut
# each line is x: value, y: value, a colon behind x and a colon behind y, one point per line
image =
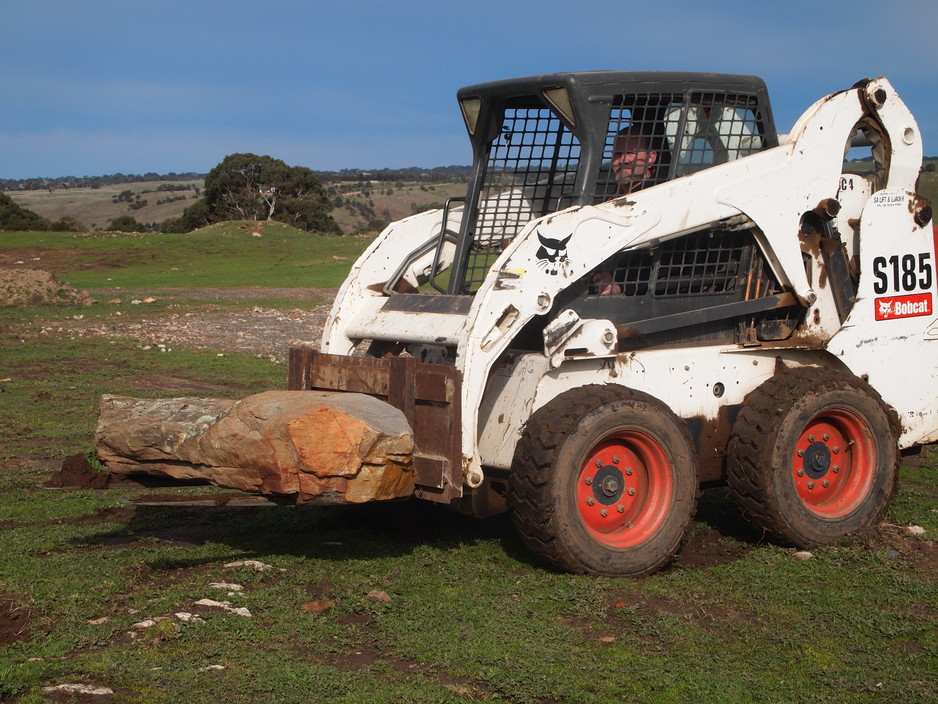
x: 836, y: 468
x: 599, y: 463
x: 800, y: 453
x: 836, y: 450
x: 810, y: 485
x: 615, y: 459
x: 620, y: 508
x: 604, y: 513
x: 800, y: 473
x: 590, y: 501
x: 810, y: 438
x: 826, y: 437
x: 589, y: 481
x: 629, y: 470
x: 631, y: 491
x: 825, y: 483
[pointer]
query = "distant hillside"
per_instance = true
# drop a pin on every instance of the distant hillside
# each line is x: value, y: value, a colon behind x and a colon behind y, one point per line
x: 364, y: 200
x: 96, y: 207
x: 359, y: 206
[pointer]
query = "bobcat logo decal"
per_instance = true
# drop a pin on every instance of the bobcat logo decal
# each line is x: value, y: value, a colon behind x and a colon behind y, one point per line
x: 552, y: 254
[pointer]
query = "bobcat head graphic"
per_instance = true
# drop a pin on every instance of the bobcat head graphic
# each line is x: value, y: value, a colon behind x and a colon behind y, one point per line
x: 885, y: 309
x: 552, y: 254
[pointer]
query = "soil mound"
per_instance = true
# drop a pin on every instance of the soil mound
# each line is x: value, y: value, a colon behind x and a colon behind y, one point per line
x: 30, y: 287
x: 77, y: 473
x: 14, y: 620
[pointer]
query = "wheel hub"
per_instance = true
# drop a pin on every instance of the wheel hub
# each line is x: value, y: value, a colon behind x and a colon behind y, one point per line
x: 817, y: 460
x: 608, y: 485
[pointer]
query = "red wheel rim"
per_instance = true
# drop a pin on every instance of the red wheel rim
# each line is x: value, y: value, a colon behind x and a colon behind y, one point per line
x: 834, y: 463
x: 624, y: 489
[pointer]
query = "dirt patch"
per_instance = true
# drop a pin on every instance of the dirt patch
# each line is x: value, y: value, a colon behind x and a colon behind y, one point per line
x: 362, y: 655
x: 14, y: 620
x: 709, y: 548
x: 64, y: 260
x: 263, y: 332
x: 709, y: 615
x: 30, y: 287
x: 77, y: 473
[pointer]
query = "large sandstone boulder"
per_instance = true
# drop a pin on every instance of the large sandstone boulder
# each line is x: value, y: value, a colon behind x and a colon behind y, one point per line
x: 320, y: 447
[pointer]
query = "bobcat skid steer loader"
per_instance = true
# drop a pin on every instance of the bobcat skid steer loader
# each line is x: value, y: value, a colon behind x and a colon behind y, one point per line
x: 586, y: 345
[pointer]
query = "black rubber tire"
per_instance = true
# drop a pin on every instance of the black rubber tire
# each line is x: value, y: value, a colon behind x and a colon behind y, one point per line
x: 551, y: 482
x: 813, y: 456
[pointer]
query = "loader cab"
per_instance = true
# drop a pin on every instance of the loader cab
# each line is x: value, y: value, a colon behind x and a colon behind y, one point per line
x: 545, y: 143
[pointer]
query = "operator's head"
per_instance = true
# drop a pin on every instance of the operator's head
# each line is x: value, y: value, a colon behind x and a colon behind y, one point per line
x: 633, y: 159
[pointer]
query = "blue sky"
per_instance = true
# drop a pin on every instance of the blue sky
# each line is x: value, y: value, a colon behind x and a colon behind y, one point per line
x: 101, y: 86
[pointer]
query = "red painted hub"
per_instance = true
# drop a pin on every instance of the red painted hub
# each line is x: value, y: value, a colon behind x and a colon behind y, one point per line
x: 834, y: 463
x: 624, y: 489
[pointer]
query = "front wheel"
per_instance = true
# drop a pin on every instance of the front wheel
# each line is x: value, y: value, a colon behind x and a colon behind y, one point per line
x: 813, y: 456
x: 604, y: 482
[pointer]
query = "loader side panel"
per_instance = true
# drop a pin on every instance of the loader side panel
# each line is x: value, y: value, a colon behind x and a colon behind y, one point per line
x: 427, y: 394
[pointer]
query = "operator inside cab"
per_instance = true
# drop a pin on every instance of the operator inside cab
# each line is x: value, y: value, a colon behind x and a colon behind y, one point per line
x: 634, y: 161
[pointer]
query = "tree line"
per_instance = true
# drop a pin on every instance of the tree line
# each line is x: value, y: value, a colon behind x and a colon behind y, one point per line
x: 437, y: 174
x: 242, y: 187
x: 66, y: 182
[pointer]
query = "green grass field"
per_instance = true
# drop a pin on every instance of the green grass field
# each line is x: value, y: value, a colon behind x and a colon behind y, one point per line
x: 401, y: 602
x: 226, y: 255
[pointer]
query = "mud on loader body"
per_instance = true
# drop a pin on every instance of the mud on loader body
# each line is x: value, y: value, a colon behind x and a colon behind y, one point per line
x: 586, y: 346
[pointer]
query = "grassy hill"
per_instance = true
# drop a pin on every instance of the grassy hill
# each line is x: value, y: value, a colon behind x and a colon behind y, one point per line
x: 358, y: 204
x: 96, y: 207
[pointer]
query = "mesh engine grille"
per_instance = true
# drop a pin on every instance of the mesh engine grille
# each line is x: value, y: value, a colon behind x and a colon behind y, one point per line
x: 694, y: 265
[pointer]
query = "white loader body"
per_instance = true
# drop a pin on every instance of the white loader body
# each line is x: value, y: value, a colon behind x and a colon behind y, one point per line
x: 893, y: 350
x: 742, y: 272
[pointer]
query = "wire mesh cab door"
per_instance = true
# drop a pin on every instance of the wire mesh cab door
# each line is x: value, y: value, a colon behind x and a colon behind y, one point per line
x: 526, y: 166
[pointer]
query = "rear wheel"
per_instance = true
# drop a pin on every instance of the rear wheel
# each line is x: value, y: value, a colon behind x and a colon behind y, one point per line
x: 604, y: 482
x: 813, y: 456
